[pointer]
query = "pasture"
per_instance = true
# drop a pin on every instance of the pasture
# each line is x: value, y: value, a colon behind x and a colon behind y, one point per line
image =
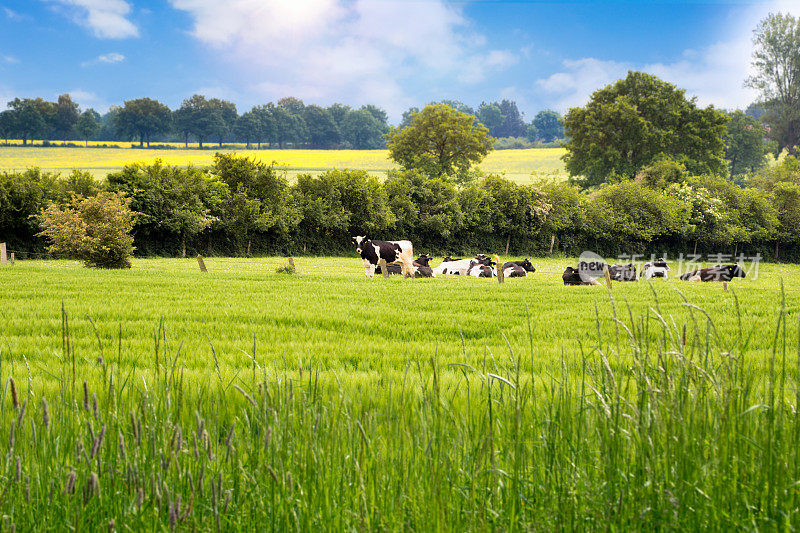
x: 522, y: 166
x: 165, y: 398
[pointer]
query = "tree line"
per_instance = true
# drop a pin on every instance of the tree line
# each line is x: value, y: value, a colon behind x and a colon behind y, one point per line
x: 238, y: 206
x: 289, y: 122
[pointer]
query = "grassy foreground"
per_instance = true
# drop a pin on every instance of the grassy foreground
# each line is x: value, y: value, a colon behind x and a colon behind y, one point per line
x: 519, y: 165
x: 243, y: 399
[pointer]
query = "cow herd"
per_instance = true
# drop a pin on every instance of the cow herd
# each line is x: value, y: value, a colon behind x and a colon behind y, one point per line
x: 396, y: 258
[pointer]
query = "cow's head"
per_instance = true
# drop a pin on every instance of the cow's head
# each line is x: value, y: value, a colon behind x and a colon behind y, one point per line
x: 526, y: 264
x: 360, y: 241
x: 423, y: 259
x: 484, y: 260
x: 736, y: 271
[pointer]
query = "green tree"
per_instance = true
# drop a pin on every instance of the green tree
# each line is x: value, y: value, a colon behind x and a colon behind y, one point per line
x: 362, y: 130
x: 744, y: 144
x: 260, y: 198
x: 143, y: 118
x: 88, y: 125
x: 628, y: 213
x: 548, y: 125
x: 27, y: 120
x: 322, y: 129
x: 490, y: 116
x: 96, y: 229
x: 439, y: 141
x: 424, y: 206
x: 6, y: 124
x: 247, y: 128
x: 66, y: 116
x: 637, y: 120
x: 341, y: 203
x: 171, y: 201
x: 515, y: 210
x: 513, y: 124
x: 776, y: 62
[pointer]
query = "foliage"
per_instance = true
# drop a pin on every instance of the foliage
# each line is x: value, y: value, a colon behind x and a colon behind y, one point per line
x: 776, y: 62
x: 548, y: 126
x: 630, y: 213
x: 143, y: 118
x: 342, y: 203
x: 628, y: 125
x: 744, y: 144
x: 662, y: 173
x: 439, y: 141
x: 96, y: 229
x: 88, y: 125
x: 169, y: 200
x: 423, y: 205
x: 259, y: 198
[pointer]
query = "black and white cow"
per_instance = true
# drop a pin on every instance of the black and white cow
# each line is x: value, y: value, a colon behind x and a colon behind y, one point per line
x: 421, y: 268
x: 622, y: 272
x: 390, y: 251
x: 572, y: 276
x: 656, y: 269
x: 517, y: 269
x: 715, y: 273
x: 460, y: 267
x: 480, y: 270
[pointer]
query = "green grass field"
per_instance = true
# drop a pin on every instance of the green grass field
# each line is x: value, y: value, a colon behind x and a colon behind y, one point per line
x: 163, y: 398
x: 520, y: 165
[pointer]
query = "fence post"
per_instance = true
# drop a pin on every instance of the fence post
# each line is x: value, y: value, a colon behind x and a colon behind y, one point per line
x: 3, y: 255
x: 11, y: 259
x: 201, y: 263
x: 552, y: 242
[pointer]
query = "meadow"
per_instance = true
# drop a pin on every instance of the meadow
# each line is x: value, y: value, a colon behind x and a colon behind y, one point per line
x: 522, y: 166
x: 163, y: 398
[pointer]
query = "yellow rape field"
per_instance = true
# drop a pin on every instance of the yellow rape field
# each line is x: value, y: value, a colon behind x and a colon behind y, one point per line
x: 522, y: 166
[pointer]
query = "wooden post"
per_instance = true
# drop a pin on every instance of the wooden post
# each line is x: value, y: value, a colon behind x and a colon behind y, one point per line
x: 11, y: 258
x: 384, y: 269
x: 500, y: 278
x: 201, y: 263
x: 3, y: 256
x: 552, y: 242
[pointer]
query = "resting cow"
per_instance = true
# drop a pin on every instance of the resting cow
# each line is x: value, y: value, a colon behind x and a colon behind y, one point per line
x: 421, y: 268
x: 480, y: 270
x: 517, y: 269
x: 715, y: 273
x: 657, y: 269
x: 460, y: 267
x: 390, y: 251
x: 622, y: 272
x: 572, y: 276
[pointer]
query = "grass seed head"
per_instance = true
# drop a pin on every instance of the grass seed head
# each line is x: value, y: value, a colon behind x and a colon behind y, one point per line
x: 69, y: 488
x: 14, y: 399
x: 45, y: 414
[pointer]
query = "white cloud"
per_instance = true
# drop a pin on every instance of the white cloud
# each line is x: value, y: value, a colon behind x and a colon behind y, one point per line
x: 108, y: 19
x: 4, y: 58
x: 579, y: 79
x: 110, y: 58
x: 11, y: 14
x: 714, y: 74
x: 88, y: 99
x: 353, y: 51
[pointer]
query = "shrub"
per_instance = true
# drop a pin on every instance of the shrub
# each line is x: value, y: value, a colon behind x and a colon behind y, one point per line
x: 95, y: 229
x: 629, y: 212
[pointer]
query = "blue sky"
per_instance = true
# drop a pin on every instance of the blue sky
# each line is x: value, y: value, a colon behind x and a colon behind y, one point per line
x: 393, y: 53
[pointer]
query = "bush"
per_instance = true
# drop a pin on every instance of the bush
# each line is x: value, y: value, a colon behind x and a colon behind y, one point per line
x: 95, y: 229
x: 626, y: 213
